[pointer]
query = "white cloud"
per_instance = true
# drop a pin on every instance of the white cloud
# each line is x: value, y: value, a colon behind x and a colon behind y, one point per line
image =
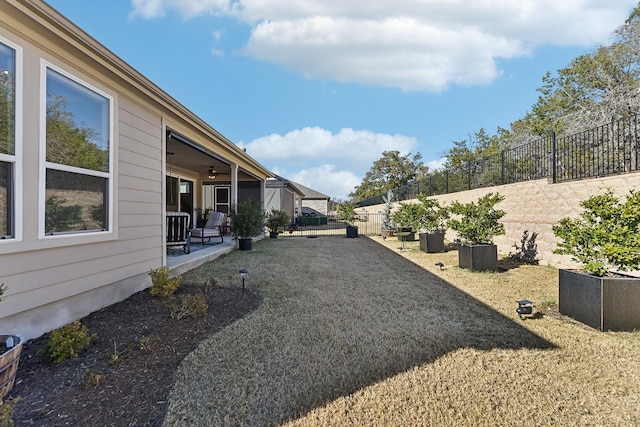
x: 186, y: 8
x: 408, y: 44
x: 355, y: 150
x: 346, y: 156
x: 437, y: 164
x: 326, y: 179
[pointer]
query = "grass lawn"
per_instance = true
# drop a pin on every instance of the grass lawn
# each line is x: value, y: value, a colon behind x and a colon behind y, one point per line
x: 353, y: 332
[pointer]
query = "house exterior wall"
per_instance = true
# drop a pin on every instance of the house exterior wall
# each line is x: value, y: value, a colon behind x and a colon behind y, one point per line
x: 272, y: 198
x: 318, y: 205
x: 536, y: 206
x: 53, y: 280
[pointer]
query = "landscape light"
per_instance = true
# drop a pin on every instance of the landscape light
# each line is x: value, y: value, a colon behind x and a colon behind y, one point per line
x: 524, y: 307
x: 243, y: 275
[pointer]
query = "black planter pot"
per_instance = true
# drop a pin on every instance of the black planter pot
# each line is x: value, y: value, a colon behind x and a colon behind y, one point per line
x: 273, y: 235
x: 431, y: 242
x: 478, y: 257
x: 604, y: 303
x: 245, y: 244
x: 408, y: 237
x: 352, y: 231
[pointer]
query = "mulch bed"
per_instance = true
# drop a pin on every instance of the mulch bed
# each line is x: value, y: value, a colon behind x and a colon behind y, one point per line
x: 149, y: 345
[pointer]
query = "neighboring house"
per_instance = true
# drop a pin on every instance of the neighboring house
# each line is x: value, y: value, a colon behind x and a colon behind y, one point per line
x: 92, y: 155
x: 283, y: 195
x: 313, y: 201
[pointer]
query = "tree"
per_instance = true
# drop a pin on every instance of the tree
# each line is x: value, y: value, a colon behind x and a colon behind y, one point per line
x: 389, y: 172
x: 595, y: 88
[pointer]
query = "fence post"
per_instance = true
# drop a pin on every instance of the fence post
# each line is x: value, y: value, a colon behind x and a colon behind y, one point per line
x: 554, y: 158
x: 502, y: 167
x: 446, y: 181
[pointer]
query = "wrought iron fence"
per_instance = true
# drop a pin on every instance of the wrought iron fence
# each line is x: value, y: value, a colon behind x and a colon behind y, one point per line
x: 368, y: 224
x: 605, y: 150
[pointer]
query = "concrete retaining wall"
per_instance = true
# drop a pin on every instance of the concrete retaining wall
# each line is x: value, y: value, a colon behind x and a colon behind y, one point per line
x: 536, y: 206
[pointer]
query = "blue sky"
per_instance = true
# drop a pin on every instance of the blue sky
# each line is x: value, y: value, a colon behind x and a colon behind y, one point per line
x: 316, y: 91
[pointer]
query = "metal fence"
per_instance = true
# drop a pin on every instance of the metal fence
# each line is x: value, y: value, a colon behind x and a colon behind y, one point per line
x: 605, y: 150
x: 369, y: 224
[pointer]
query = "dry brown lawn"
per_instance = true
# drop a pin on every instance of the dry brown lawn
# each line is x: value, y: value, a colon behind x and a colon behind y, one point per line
x: 353, y: 332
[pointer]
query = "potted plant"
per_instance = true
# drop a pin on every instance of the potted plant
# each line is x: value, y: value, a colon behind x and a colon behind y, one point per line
x: 408, y: 217
x: 432, y: 225
x: 247, y: 221
x: 478, y: 223
x: 387, y: 223
x: 10, y: 349
x: 347, y: 213
x: 276, y: 221
x: 605, y: 239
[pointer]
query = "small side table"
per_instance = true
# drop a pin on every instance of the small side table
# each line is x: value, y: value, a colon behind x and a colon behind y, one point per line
x: 403, y: 235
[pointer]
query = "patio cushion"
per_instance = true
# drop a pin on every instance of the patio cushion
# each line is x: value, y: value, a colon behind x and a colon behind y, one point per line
x: 213, y: 228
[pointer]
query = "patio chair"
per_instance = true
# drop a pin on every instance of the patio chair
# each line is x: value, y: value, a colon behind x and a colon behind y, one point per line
x: 213, y: 228
x: 178, y: 233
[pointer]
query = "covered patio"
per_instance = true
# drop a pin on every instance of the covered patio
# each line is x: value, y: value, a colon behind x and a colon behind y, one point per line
x: 200, y: 180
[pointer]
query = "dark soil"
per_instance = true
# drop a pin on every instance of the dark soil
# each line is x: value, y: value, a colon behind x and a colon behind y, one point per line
x: 123, y: 378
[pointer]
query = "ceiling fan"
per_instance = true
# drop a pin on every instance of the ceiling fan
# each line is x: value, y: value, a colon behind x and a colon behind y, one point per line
x: 213, y: 173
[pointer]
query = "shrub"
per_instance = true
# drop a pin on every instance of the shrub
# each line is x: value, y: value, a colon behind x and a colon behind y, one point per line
x: 67, y: 342
x: 606, y: 235
x: 93, y: 379
x: 6, y: 412
x: 162, y: 285
x: 149, y: 343
x: 190, y: 306
x: 409, y: 215
x: 527, y: 252
x: 247, y: 219
x: 386, y: 212
x: 276, y: 220
x: 347, y: 212
x: 434, y: 217
x: 479, y: 222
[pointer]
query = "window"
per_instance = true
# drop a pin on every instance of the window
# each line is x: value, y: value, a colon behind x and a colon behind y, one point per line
x: 77, y: 156
x: 8, y: 157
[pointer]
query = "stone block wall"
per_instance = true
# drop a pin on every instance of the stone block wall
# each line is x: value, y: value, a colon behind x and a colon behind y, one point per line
x: 536, y: 206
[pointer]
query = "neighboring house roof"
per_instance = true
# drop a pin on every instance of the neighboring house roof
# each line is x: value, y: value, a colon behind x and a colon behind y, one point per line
x: 282, y: 182
x: 310, y: 194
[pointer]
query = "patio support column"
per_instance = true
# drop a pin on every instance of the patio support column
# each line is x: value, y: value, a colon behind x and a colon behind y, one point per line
x: 299, y: 200
x: 234, y: 184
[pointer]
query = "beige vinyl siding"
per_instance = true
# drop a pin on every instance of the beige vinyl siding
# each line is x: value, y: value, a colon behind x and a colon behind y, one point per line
x: 57, y: 279
x: 54, y: 274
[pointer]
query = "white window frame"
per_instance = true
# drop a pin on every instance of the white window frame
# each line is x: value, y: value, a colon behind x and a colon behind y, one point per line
x: 17, y: 158
x: 44, y: 165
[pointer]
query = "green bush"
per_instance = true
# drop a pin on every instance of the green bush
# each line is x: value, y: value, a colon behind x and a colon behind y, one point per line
x: 162, y: 285
x: 247, y: 219
x: 189, y: 306
x: 347, y: 212
x: 605, y: 236
x: 479, y: 221
x: 6, y: 412
x: 276, y: 220
x: 409, y: 215
x: 67, y: 342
